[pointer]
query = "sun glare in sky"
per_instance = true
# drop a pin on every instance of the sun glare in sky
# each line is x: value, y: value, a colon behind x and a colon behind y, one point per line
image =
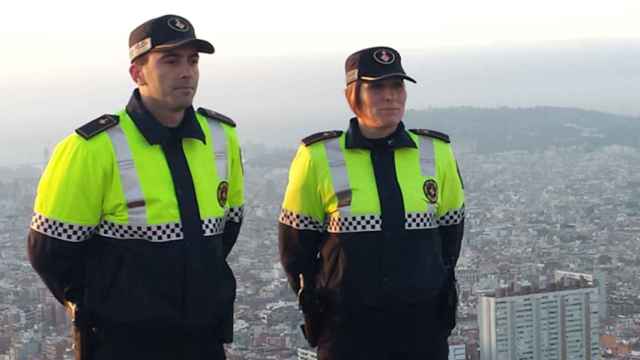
x: 282, y: 27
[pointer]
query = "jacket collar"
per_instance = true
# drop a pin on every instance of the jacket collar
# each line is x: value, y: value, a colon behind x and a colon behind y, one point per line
x: 398, y: 139
x: 153, y: 131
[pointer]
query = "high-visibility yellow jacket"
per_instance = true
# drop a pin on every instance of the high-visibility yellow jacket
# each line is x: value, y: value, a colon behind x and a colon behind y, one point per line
x: 373, y: 222
x: 139, y: 219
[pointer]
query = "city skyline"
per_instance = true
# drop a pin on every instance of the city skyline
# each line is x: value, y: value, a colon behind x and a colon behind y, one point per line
x: 540, y: 100
x: 580, y: 219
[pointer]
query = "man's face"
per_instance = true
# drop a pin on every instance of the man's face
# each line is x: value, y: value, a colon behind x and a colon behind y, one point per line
x: 382, y: 103
x: 170, y: 77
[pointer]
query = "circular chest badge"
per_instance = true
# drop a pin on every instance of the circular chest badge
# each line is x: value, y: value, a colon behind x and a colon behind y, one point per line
x: 223, y: 193
x: 430, y: 189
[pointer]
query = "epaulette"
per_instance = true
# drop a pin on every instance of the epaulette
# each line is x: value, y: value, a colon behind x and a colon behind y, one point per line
x: 323, y: 135
x: 95, y: 127
x: 432, y: 133
x: 217, y: 116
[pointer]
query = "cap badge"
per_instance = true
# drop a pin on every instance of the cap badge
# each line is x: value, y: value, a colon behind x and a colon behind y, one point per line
x: 384, y: 56
x: 430, y: 189
x: 178, y: 24
x: 223, y: 193
x: 352, y: 75
x: 139, y: 48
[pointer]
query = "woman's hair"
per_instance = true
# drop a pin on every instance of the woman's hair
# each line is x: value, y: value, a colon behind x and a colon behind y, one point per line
x: 353, y: 96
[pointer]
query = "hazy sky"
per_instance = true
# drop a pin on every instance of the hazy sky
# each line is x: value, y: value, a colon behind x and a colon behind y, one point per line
x: 277, y: 61
x: 278, y: 27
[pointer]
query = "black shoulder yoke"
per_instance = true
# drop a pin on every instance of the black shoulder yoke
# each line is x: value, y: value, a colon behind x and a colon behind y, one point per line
x: 217, y: 116
x: 432, y: 133
x: 323, y: 135
x: 96, y: 126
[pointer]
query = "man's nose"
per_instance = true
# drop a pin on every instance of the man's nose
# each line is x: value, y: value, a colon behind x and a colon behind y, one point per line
x: 187, y: 70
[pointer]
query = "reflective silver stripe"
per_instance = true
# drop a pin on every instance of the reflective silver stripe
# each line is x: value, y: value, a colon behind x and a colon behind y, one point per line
x: 339, y: 176
x: 427, y: 157
x: 128, y: 177
x: 426, y: 220
x: 219, y: 148
x: 342, y: 221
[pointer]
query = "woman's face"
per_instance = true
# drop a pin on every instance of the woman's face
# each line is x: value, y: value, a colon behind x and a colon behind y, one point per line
x: 381, y: 105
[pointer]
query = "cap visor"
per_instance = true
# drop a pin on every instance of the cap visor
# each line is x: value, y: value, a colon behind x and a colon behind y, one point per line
x: 386, y: 76
x: 202, y: 46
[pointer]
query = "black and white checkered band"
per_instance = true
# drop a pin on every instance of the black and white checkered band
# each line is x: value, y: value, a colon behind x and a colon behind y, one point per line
x: 299, y: 221
x: 452, y: 217
x: 61, y: 230
x: 362, y: 223
x: 358, y: 223
x: 159, y: 233
x: 213, y: 226
x: 156, y: 233
x: 420, y: 220
x: 235, y: 213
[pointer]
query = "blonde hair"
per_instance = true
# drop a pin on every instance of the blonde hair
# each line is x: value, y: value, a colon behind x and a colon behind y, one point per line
x: 352, y: 93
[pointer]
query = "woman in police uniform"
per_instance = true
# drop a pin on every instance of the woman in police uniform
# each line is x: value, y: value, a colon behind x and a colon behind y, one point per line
x: 372, y: 222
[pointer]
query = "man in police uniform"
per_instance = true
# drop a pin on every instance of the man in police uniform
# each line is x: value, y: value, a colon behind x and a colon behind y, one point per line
x: 371, y: 225
x: 136, y: 213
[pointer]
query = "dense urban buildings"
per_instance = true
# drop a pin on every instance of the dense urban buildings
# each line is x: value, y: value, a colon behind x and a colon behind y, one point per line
x: 530, y: 214
x: 548, y: 321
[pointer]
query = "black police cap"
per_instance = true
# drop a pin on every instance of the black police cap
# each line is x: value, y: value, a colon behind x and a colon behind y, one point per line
x: 165, y: 32
x: 375, y: 63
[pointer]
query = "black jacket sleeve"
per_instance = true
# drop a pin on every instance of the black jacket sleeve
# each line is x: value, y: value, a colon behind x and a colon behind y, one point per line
x: 451, y: 236
x: 298, y: 254
x: 59, y: 263
x: 230, y: 236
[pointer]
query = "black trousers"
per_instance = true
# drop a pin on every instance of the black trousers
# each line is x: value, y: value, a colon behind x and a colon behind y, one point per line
x: 408, y: 332
x: 128, y: 345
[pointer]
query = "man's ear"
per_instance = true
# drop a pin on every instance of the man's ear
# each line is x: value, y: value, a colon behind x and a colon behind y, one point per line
x: 137, y: 75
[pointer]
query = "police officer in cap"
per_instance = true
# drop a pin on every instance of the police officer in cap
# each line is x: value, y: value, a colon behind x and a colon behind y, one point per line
x: 137, y: 211
x: 371, y: 225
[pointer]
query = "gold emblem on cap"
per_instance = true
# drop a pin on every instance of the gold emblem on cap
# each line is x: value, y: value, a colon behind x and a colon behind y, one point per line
x: 178, y: 24
x: 384, y: 56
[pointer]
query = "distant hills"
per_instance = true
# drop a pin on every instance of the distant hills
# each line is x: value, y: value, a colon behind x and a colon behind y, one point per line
x: 474, y: 129
x: 505, y: 129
